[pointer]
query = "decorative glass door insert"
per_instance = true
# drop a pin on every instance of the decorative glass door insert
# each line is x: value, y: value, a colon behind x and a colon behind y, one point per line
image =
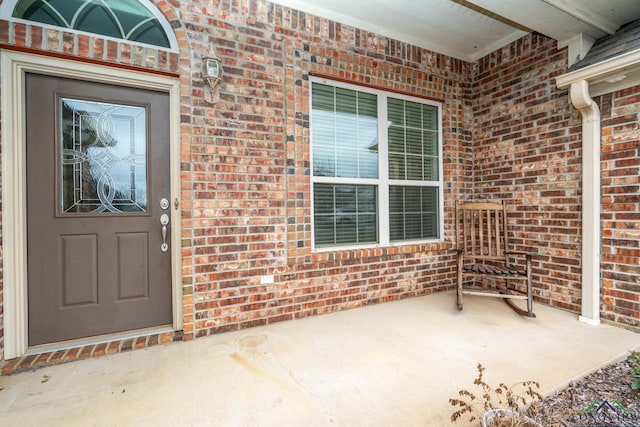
x: 103, y: 157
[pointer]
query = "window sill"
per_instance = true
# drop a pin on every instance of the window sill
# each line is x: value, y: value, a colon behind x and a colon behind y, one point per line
x: 347, y: 253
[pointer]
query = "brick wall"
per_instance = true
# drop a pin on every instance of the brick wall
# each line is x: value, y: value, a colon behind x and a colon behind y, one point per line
x: 620, y: 164
x: 527, y: 148
x: 255, y: 216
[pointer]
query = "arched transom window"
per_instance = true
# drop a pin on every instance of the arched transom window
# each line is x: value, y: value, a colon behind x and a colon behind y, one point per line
x: 136, y: 21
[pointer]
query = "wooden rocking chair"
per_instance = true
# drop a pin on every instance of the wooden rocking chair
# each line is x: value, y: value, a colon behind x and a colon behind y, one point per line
x: 482, y: 247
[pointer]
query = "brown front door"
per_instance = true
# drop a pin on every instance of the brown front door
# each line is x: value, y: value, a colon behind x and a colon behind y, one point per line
x: 97, y: 172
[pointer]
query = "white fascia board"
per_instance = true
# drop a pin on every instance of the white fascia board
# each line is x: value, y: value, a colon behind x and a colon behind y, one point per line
x: 602, y: 70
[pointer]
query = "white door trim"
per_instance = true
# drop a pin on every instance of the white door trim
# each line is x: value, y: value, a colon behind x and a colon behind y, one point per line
x: 13, y: 69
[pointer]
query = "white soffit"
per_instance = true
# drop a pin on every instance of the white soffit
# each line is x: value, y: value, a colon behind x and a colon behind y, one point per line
x: 442, y: 26
x: 454, y: 28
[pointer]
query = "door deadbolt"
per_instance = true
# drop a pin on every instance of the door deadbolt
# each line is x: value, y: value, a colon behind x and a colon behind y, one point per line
x: 164, y: 204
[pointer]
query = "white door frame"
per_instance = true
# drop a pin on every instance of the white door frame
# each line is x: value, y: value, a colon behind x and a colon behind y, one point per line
x: 13, y: 69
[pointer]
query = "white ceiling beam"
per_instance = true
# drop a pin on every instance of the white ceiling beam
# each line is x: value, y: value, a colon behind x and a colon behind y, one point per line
x: 573, y: 8
x: 493, y: 15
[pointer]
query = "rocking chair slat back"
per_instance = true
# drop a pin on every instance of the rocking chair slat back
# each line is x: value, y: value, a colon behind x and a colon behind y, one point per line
x: 483, y: 229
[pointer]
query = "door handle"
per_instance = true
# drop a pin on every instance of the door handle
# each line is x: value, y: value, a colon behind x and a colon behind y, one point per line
x: 164, y: 220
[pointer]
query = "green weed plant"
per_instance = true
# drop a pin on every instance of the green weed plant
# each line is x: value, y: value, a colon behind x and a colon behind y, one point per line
x: 634, y: 359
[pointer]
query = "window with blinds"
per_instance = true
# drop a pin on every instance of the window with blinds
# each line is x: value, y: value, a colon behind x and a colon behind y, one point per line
x: 376, y: 162
x: 413, y: 146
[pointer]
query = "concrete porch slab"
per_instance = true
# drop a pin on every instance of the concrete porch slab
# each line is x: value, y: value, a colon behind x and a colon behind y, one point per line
x: 393, y: 364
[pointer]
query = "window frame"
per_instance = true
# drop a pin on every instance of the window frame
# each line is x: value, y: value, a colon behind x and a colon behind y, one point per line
x: 382, y: 183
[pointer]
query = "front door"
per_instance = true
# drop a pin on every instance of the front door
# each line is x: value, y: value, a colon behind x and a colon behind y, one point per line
x: 98, y: 209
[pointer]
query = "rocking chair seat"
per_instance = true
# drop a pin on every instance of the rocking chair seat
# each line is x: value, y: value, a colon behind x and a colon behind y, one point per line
x: 493, y: 270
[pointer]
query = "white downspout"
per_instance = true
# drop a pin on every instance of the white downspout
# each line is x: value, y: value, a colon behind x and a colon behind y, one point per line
x: 579, y: 95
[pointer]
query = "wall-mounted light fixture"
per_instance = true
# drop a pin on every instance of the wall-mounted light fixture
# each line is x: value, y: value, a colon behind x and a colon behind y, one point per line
x: 212, y: 70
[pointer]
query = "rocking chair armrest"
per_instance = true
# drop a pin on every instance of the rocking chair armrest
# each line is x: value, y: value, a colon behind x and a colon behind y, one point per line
x: 525, y: 253
x: 459, y: 253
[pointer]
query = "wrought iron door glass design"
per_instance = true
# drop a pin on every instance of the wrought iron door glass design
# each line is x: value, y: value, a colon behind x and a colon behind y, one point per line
x: 103, y: 157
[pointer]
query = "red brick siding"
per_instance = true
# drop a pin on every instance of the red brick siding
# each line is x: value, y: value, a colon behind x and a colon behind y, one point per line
x: 83, y: 352
x: 620, y: 164
x: 256, y: 209
x: 236, y: 170
x: 527, y: 148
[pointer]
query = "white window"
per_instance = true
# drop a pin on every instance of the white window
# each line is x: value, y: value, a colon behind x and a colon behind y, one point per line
x: 376, y: 166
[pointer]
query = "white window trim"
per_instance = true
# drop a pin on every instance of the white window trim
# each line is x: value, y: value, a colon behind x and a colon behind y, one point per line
x: 6, y: 10
x: 383, y: 182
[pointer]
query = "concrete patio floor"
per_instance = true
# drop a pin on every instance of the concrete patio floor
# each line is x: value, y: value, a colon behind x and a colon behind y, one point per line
x: 393, y: 364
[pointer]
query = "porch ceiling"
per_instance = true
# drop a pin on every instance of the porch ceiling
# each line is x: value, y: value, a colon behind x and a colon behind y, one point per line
x: 470, y: 29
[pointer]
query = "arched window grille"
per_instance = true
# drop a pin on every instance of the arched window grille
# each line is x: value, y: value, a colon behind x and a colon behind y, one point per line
x: 135, y: 21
